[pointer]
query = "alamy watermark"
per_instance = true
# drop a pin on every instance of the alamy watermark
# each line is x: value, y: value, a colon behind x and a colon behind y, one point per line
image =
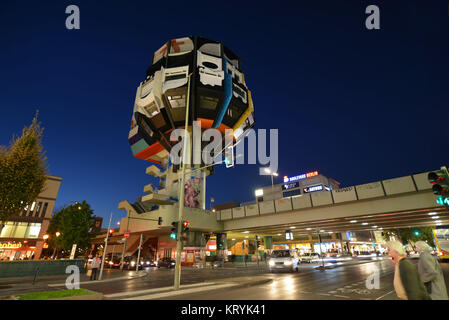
x: 213, y: 152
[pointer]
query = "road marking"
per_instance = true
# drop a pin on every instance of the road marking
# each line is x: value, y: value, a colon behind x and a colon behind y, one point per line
x: 384, y: 295
x: 332, y: 292
x: 180, y: 292
x: 146, y: 291
x: 336, y: 295
x: 324, y: 294
x: 97, y: 281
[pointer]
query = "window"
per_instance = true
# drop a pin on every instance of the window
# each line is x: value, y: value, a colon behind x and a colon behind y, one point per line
x: 33, y: 230
x: 291, y: 193
x: 30, y: 214
x: 178, y: 101
x: 7, y: 229
x: 20, y: 230
x: 39, y: 206
x: 44, y: 210
x: 208, y: 103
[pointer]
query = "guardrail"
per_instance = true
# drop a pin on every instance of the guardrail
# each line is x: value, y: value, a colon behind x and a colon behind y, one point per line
x: 412, y: 183
x: 37, y: 267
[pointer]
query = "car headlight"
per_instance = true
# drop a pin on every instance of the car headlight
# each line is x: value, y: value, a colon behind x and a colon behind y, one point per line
x: 110, y: 262
x: 148, y: 262
x: 133, y: 263
x: 288, y: 262
x: 271, y: 263
x: 172, y: 263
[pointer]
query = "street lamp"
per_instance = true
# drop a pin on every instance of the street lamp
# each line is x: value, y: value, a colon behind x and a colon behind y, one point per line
x: 45, y: 236
x: 58, y: 234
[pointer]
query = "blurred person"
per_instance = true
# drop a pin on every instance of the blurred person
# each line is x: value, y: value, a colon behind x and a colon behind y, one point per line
x: 96, y: 262
x: 431, y: 273
x: 407, y: 282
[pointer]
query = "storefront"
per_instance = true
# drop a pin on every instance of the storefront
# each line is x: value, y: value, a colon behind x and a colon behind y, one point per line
x: 17, y: 250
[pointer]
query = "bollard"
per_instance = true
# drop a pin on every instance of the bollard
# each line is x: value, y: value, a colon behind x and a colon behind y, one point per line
x: 35, y: 275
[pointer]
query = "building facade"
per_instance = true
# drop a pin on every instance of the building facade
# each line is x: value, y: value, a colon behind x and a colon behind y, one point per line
x: 296, y: 185
x: 22, y: 236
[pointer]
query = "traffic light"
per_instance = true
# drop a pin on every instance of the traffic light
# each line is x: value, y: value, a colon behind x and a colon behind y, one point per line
x: 111, y: 231
x: 416, y: 233
x: 440, y: 181
x: 185, y: 226
x: 159, y: 221
x: 174, y: 231
x: 229, y: 156
x: 257, y: 241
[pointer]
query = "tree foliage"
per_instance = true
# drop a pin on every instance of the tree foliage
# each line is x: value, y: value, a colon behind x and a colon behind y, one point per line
x: 23, y: 171
x: 408, y: 235
x: 73, y: 223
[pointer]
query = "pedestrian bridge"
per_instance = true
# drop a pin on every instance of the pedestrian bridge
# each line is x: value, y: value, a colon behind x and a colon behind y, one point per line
x: 400, y: 202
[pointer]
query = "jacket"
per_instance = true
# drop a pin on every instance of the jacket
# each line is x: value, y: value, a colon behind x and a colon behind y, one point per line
x: 430, y: 271
x: 413, y: 285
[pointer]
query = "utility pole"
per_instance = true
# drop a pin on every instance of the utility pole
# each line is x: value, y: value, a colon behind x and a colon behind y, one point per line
x: 124, y: 244
x: 138, y: 255
x: 105, y: 248
x: 181, y: 197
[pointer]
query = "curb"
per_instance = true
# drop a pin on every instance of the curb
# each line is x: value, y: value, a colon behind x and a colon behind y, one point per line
x: 93, y: 296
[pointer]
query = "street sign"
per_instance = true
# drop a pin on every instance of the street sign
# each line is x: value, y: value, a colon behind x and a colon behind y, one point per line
x: 126, y: 235
x: 72, y: 253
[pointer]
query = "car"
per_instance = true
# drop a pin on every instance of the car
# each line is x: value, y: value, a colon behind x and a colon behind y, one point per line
x: 130, y: 263
x: 283, y: 260
x: 309, y: 257
x: 166, y: 263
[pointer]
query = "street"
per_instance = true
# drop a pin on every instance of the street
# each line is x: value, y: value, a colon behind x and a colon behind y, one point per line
x: 344, y: 282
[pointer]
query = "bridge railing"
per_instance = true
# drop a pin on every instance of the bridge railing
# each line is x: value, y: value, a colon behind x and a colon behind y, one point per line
x: 384, y: 188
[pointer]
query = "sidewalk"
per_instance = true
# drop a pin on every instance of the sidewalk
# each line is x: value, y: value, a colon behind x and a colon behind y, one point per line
x: 21, y: 285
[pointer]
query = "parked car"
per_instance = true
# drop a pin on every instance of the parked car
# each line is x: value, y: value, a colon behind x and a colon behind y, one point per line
x: 166, y: 263
x: 283, y: 260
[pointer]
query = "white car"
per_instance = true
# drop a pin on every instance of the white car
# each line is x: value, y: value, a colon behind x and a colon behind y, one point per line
x: 310, y: 257
x: 283, y: 260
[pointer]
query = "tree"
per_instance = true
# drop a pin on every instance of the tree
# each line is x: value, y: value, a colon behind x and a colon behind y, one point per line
x: 411, y: 235
x: 23, y: 171
x: 73, y: 223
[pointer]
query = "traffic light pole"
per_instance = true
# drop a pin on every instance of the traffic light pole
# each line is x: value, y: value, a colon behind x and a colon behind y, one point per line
x: 124, y: 244
x: 138, y: 255
x: 181, y: 196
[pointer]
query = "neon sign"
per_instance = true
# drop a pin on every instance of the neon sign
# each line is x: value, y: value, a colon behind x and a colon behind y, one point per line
x: 301, y: 176
x: 10, y: 245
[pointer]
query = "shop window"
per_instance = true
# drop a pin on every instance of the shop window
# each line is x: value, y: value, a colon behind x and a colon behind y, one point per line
x: 44, y: 210
x: 33, y: 230
x: 20, y: 230
x: 7, y: 230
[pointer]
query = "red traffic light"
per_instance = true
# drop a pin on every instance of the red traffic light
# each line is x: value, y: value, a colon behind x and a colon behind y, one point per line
x: 111, y: 231
x: 186, y: 224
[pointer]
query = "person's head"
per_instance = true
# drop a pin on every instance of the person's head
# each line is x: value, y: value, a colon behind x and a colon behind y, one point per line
x: 422, y: 246
x: 395, y: 250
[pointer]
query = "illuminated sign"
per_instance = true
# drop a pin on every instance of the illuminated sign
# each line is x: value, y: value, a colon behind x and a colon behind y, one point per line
x: 10, y: 245
x: 301, y: 176
x: 290, y: 185
x: 313, y: 188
